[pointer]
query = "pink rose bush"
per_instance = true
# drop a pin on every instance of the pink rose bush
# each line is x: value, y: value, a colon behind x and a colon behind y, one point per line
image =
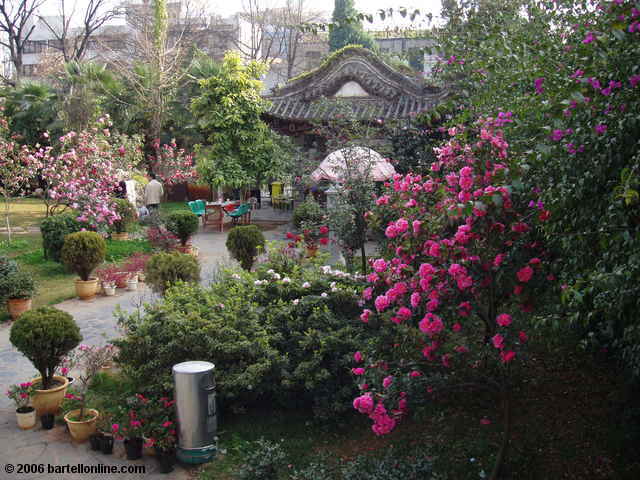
x: 458, y: 285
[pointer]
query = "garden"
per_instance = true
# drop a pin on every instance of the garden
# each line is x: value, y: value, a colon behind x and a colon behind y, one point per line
x: 491, y: 333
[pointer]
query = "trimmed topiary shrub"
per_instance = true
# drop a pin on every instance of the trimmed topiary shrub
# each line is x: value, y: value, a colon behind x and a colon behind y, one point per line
x: 45, y: 335
x: 164, y: 269
x: 127, y: 214
x: 183, y: 225
x: 7, y: 268
x: 82, y: 252
x: 308, y: 211
x: 17, y: 284
x: 243, y: 244
x: 54, y: 229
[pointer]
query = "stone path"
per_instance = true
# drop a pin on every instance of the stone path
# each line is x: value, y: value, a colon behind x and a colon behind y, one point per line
x: 97, y: 325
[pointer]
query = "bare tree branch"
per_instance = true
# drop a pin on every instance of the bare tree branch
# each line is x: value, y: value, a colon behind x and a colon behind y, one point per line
x: 16, y: 21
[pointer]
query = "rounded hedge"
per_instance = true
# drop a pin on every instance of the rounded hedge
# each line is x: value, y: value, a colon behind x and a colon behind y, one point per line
x: 54, y: 229
x: 164, y: 269
x: 82, y: 252
x: 183, y: 224
x: 17, y: 284
x: 127, y: 214
x: 45, y: 335
x: 308, y: 211
x: 243, y: 243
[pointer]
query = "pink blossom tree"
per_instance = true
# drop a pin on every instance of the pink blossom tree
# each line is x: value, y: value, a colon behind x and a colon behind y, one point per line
x: 15, y: 171
x: 172, y: 164
x: 462, y: 270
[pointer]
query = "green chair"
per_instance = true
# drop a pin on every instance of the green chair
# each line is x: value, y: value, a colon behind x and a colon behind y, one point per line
x: 197, y: 207
x: 243, y: 210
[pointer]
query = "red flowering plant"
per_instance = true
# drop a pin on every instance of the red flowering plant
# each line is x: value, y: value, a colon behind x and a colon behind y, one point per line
x: 161, y: 424
x: 312, y: 236
x: 21, y: 394
x: 464, y: 269
x: 136, y: 262
x: 111, y: 275
x: 130, y: 419
x: 162, y: 239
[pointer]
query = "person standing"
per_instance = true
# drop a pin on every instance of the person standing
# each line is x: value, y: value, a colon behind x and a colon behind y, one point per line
x: 153, y: 192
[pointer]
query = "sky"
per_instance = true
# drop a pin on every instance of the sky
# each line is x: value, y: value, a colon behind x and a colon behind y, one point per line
x: 229, y: 7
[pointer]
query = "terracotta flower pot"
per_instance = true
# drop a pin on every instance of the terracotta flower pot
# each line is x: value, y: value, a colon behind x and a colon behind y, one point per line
x: 48, y: 401
x: 17, y: 306
x: 312, y: 251
x: 26, y: 417
x: 86, y: 290
x: 81, y: 430
x: 120, y: 236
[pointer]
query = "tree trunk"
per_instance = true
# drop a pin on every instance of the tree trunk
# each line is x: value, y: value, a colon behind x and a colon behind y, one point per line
x: 506, y: 434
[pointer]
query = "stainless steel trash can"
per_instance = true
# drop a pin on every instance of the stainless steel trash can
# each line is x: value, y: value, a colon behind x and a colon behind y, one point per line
x: 195, y: 396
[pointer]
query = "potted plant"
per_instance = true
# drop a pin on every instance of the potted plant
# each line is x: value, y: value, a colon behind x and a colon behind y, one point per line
x: 312, y: 236
x: 183, y: 225
x: 82, y: 252
x: 109, y: 276
x: 162, y: 433
x: 25, y: 414
x: 103, y: 437
x: 127, y: 214
x: 136, y: 263
x: 131, y: 430
x: 82, y: 421
x: 66, y: 365
x: 132, y: 282
x: 18, y: 288
x: 45, y: 335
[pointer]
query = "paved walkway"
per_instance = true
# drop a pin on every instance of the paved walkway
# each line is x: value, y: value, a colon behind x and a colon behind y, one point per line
x: 97, y: 325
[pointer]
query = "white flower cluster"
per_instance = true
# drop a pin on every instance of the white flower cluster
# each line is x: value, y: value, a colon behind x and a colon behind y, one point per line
x: 327, y: 270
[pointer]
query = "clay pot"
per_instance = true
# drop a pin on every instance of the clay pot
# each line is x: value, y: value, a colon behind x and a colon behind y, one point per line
x: 17, y: 306
x: 86, y: 290
x: 48, y: 401
x: 26, y: 417
x: 81, y: 430
x: 187, y: 249
x: 120, y: 236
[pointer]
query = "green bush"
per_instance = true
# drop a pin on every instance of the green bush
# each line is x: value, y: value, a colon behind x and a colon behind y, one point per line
x: 164, y: 269
x: 308, y: 211
x: 17, y: 284
x: 183, y: 225
x: 7, y: 268
x: 127, y: 214
x: 265, y: 460
x: 195, y: 323
x: 54, y: 229
x: 45, y: 335
x: 82, y: 252
x: 243, y: 243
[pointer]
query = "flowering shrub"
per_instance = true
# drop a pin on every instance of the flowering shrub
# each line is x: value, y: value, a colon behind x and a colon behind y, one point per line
x: 172, y: 164
x: 161, y: 423
x: 283, y: 336
x: 467, y: 267
x: 129, y: 420
x: 21, y: 394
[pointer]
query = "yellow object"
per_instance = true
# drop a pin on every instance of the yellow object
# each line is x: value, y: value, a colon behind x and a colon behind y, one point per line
x: 86, y: 290
x: 48, y: 401
x: 80, y: 431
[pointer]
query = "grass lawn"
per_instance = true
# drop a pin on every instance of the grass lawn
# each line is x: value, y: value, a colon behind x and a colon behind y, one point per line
x: 25, y: 213
x: 55, y: 284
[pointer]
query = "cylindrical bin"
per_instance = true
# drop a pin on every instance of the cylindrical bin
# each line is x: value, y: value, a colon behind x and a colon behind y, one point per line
x: 195, y: 396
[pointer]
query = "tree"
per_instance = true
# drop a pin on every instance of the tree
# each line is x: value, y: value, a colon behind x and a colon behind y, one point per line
x: 346, y: 29
x: 241, y: 149
x: 73, y: 41
x: 17, y: 25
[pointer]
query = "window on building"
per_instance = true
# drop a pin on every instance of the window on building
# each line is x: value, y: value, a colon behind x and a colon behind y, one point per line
x: 35, y: 46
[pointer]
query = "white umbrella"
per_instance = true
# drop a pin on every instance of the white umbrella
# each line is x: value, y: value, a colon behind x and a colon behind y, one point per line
x: 358, y: 159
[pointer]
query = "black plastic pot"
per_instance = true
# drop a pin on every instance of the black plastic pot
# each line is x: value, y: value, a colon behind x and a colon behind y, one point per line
x: 133, y: 447
x: 106, y: 444
x: 166, y: 460
x: 47, y: 421
x: 95, y: 440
